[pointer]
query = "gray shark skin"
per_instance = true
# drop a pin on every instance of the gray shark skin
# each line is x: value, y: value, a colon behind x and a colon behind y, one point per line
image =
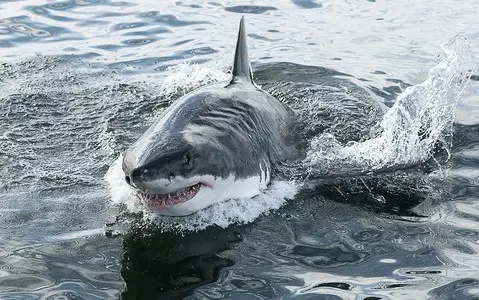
x: 219, y: 142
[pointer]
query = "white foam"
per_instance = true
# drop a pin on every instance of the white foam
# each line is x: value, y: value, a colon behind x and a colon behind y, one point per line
x: 187, y: 76
x: 223, y: 214
x: 120, y: 192
x: 235, y: 211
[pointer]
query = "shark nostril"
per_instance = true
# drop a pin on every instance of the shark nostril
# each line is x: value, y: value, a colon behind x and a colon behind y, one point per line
x: 127, y: 179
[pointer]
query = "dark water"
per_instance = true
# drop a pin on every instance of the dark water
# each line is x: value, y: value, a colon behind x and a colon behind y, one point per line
x: 80, y: 80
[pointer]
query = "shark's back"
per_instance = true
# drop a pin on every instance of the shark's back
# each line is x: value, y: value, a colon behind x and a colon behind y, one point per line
x: 249, y: 122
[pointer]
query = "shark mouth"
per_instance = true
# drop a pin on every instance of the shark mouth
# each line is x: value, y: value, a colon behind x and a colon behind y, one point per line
x: 160, y: 201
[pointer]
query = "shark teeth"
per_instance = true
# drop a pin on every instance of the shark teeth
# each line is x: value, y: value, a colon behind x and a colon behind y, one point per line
x: 161, y: 201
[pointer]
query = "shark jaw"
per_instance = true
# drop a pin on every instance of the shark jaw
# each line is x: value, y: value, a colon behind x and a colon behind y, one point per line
x: 160, y: 201
x: 187, y: 196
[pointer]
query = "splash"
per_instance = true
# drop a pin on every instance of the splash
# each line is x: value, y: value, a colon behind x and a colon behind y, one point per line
x: 223, y: 214
x: 421, y: 117
x: 186, y: 76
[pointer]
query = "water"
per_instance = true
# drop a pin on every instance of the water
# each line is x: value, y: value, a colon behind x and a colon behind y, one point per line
x: 80, y: 80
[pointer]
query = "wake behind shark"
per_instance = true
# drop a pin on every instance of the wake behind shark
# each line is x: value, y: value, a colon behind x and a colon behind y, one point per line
x: 217, y: 143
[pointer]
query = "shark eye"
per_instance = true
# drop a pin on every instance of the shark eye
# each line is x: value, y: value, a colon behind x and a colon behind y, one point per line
x: 188, y: 160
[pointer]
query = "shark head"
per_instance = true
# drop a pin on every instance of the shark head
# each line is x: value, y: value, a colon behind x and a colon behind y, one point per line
x: 177, y: 177
x: 200, y: 150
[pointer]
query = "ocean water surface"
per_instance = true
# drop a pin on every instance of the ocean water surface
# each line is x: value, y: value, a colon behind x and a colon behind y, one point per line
x: 385, y: 206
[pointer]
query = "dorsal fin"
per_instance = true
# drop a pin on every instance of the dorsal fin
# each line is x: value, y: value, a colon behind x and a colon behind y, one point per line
x: 241, y: 66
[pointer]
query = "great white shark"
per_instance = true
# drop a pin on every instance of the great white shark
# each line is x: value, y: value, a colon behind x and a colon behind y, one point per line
x: 216, y: 143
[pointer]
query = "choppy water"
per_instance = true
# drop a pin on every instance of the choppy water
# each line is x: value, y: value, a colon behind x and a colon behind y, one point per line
x: 80, y: 80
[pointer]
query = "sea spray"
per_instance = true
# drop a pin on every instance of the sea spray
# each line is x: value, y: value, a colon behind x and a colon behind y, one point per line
x: 421, y: 117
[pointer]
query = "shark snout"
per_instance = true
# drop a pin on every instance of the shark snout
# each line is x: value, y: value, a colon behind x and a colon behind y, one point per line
x: 134, y: 177
x: 145, y: 179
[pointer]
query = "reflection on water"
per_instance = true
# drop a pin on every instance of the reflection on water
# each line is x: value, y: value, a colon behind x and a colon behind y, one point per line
x: 107, y: 68
x: 172, y: 265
